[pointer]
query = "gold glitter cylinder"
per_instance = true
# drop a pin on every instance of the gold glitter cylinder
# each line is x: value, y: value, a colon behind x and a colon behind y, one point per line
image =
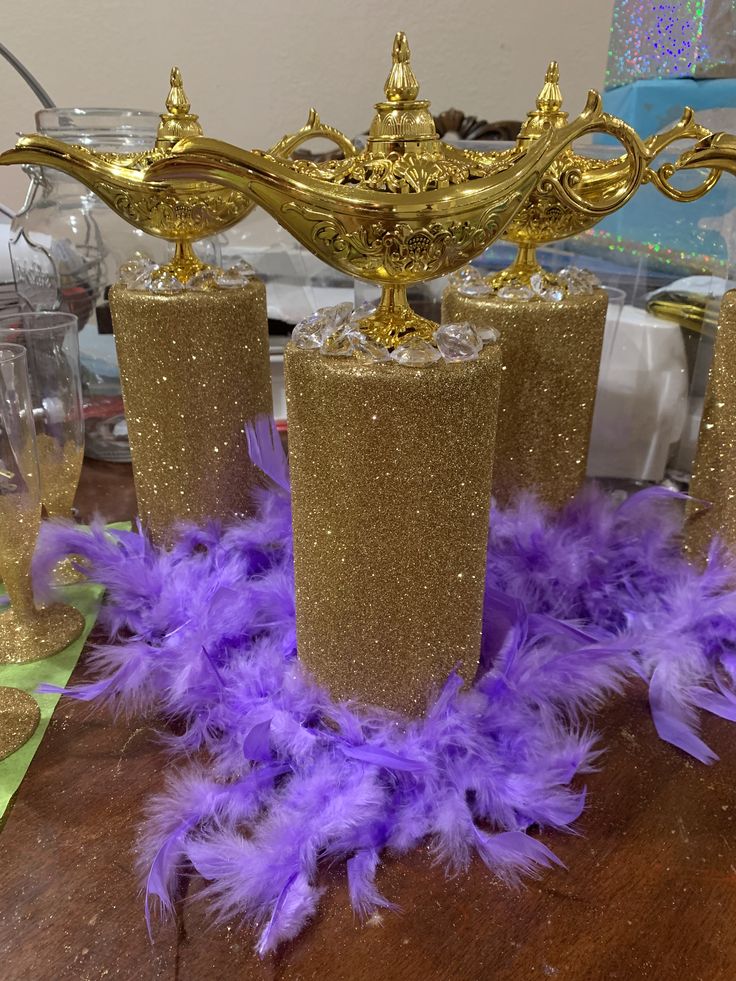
x: 551, y: 360
x: 714, y: 473
x: 194, y: 367
x: 391, y: 478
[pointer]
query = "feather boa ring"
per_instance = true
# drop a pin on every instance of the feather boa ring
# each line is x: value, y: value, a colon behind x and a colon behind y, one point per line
x: 274, y: 779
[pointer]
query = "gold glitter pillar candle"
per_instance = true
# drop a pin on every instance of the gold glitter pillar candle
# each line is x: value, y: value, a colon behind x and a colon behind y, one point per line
x: 551, y: 359
x: 391, y: 479
x: 194, y: 367
x: 714, y: 474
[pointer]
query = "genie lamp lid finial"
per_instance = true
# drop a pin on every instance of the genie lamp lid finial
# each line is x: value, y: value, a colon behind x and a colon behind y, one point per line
x: 401, y: 84
x: 402, y: 119
x: 549, y: 107
x: 177, y: 121
x: 549, y: 99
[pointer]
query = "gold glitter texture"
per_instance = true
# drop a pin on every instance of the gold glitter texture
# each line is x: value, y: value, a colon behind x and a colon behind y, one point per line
x: 714, y: 474
x: 391, y: 478
x: 20, y: 522
x: 19, y: 716
x: 28, y: 634
x: 194, y: 368
x: 60, y: 466
x: 25, y: 638
x: 551, y: 359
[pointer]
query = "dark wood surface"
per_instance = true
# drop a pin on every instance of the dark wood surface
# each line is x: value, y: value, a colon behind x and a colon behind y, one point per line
x: 649, y: 890
x: 105, y: 490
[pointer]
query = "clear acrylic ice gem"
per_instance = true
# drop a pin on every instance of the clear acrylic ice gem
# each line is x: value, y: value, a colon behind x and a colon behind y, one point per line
x: 338, y: 315
x: 546, y: 288
x: 465, y: 276
x: 552, y: 294
x: 415, y: 353
x: 489, y: 335
x: 365, y: 310
x: 243, y: 269
x: 578, y: 280
x: 203, y: 280
x: 235, y: 276
x: 475, y: 289
x: 516, y: 293
x: 163, y: 282
x: 135, y: 270
x: 367, y: 349
x: 469, y: 281
x: 458, y: 342
x: 339, y: 344
x: 588, y: 277
x: 309, y: 333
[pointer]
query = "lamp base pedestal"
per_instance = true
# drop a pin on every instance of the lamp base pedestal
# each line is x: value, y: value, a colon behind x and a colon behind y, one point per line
x: 714, y: 473
x: 391, y: 478
x: 194, y: 367
x: 551, y: 360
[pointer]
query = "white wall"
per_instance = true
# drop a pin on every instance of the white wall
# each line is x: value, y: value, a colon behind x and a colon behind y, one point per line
x: 253, y: 68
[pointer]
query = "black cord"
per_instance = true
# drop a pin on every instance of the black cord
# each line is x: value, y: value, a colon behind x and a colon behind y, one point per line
x: 39, y: 91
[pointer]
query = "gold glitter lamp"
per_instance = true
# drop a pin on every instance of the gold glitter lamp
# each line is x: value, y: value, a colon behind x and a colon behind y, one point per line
x: 391, y: 417
x: 551, y: 325
x: 578, y: 191
x: 181, y: 213
x: 192, y: 341
x: 408, y: 207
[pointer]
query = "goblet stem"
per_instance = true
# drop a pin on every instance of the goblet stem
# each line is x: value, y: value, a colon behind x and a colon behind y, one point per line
x: 526, y: 260
x: 185, y: 262
x: 394, y: 301
x: 19, y: 526
x: 521, y: 270
x: 60, y: 467
x: 394, y: 320
x: 65, y: 572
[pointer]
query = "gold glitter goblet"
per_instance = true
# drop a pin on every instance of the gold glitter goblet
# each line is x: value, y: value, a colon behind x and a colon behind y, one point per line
x: 19, y: 718
x: 26, y: 634
x: 51, y: 341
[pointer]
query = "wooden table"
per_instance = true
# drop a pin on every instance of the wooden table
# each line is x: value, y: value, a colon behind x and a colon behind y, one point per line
x: 650, y: 889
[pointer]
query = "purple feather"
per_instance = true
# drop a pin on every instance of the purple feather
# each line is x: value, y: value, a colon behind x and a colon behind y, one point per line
x: 256, y: 744
x: 384, y: 758
x: 723, y: 705
x: 364, y: 897
x: 511, y: 854
x: 203, y: 634
x: 159, y: 882
x: 266, y: 450
x: 274, y: 930
x: 674, y: 718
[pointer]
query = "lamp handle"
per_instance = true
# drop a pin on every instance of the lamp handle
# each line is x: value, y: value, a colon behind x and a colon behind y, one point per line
x: 313, y: 129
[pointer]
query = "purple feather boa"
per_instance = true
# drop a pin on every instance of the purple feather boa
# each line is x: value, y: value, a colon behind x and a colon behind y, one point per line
x: 275, y: 779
